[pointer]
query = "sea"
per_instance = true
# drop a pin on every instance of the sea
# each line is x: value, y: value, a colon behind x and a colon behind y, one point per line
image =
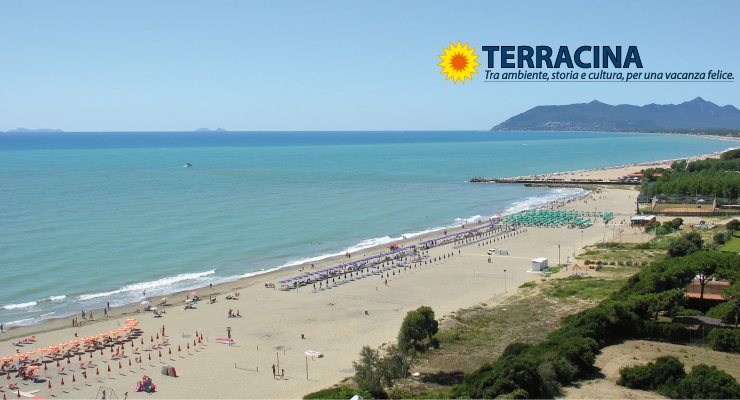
x: 92, y: 218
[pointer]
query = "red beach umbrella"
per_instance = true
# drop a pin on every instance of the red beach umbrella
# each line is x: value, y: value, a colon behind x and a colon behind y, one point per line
x: 157, y: 335
x: 91, y: 355
x: 142, y: 341
x: 69, y: 362
x: 129, y: 362
x: 170, y: 350
x: 74, y: 380
x: 8, y: 375
x: 150, y: 356
x: 97, y: 371
x: 58, y: 364
x: 109, y: 368
x: 62, y: 382
x: 79, y: 358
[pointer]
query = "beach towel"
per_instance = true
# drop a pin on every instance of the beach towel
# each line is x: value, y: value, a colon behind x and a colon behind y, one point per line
x: 225, y: 340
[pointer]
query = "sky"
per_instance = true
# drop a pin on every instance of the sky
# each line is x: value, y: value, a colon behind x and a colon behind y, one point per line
x: 164, y: 65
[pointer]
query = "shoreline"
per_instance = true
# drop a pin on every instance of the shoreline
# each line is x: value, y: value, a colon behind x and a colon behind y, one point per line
x: 336, y: 322
x: 275, y: 274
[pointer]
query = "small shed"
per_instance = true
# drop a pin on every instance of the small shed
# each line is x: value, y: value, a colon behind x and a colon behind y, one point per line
x: 539, y: 264
x: 641, y: 220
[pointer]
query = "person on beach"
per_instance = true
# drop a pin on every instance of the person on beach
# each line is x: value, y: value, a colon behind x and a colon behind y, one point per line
x: 105, y: 311
x: 91, y: 317
x: 2, y: 328
x: 108, y: 306
x: 282, y: 373
x: 83, y: 314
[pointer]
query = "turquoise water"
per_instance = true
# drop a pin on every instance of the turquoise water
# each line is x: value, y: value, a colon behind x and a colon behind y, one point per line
x: 96, y: 217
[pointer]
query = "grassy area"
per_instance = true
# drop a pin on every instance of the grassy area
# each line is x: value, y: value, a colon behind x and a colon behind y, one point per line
x: 577, y: 288
x: 732, y: 245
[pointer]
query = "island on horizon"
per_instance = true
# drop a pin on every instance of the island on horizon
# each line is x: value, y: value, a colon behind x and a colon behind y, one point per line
x: 210, y: 130
x: 18, y: 130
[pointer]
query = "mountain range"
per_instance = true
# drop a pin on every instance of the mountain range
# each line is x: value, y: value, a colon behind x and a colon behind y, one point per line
x: 597, y: 116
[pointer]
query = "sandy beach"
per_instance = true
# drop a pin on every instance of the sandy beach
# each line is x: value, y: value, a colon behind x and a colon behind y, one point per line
x: 278, y: 327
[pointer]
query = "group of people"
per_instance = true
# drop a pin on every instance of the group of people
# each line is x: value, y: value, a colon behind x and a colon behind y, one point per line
x: 234, y: 315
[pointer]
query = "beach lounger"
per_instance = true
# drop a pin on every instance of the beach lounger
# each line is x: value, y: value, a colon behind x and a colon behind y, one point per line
x: 225, y: 341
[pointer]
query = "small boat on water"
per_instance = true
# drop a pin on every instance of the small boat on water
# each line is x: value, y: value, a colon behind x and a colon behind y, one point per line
x: 187, y: 164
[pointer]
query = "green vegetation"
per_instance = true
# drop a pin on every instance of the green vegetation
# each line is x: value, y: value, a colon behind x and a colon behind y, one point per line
x: 339, y: 392
x: 569, y: 352
x: 725, y: 340
x: 661, y: 376
x: 731, y: 245
x: 704, y: 382
x: 668, y: 377
x: 418, y: 330
x: 706, y: 177
x: 575, y: 288
x: 526, y: 285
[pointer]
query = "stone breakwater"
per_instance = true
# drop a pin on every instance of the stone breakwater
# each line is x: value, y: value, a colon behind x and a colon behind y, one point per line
x: 582, y: 184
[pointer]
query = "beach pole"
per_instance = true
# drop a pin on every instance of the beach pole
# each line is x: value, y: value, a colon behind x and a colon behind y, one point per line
x: 277, y: 353
x: 306, y: 367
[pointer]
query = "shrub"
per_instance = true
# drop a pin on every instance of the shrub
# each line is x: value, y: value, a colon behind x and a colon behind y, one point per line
x: 733, y: 225
x: 719, y: 238
x: 629, y: 263
x: 661, y: 376
x: 644, y: 246
x: 620, y: 262
x: 612, y: 263
x: 704, y: 382
x: 644, y: 263
x: 682, y: 246
x: 726, y: 340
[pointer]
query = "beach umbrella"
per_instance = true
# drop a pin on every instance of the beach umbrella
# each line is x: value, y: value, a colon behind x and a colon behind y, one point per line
x: 164, y: 299
x: 74, y: 381
x: 8, y: 376
x: 62, y: 382
x: 194, y: 293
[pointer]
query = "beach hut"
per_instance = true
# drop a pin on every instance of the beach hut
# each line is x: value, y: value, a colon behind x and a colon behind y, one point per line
x: 539, y: 264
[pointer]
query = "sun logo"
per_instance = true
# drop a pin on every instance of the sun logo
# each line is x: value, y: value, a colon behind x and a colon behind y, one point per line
x: 458, y: 62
